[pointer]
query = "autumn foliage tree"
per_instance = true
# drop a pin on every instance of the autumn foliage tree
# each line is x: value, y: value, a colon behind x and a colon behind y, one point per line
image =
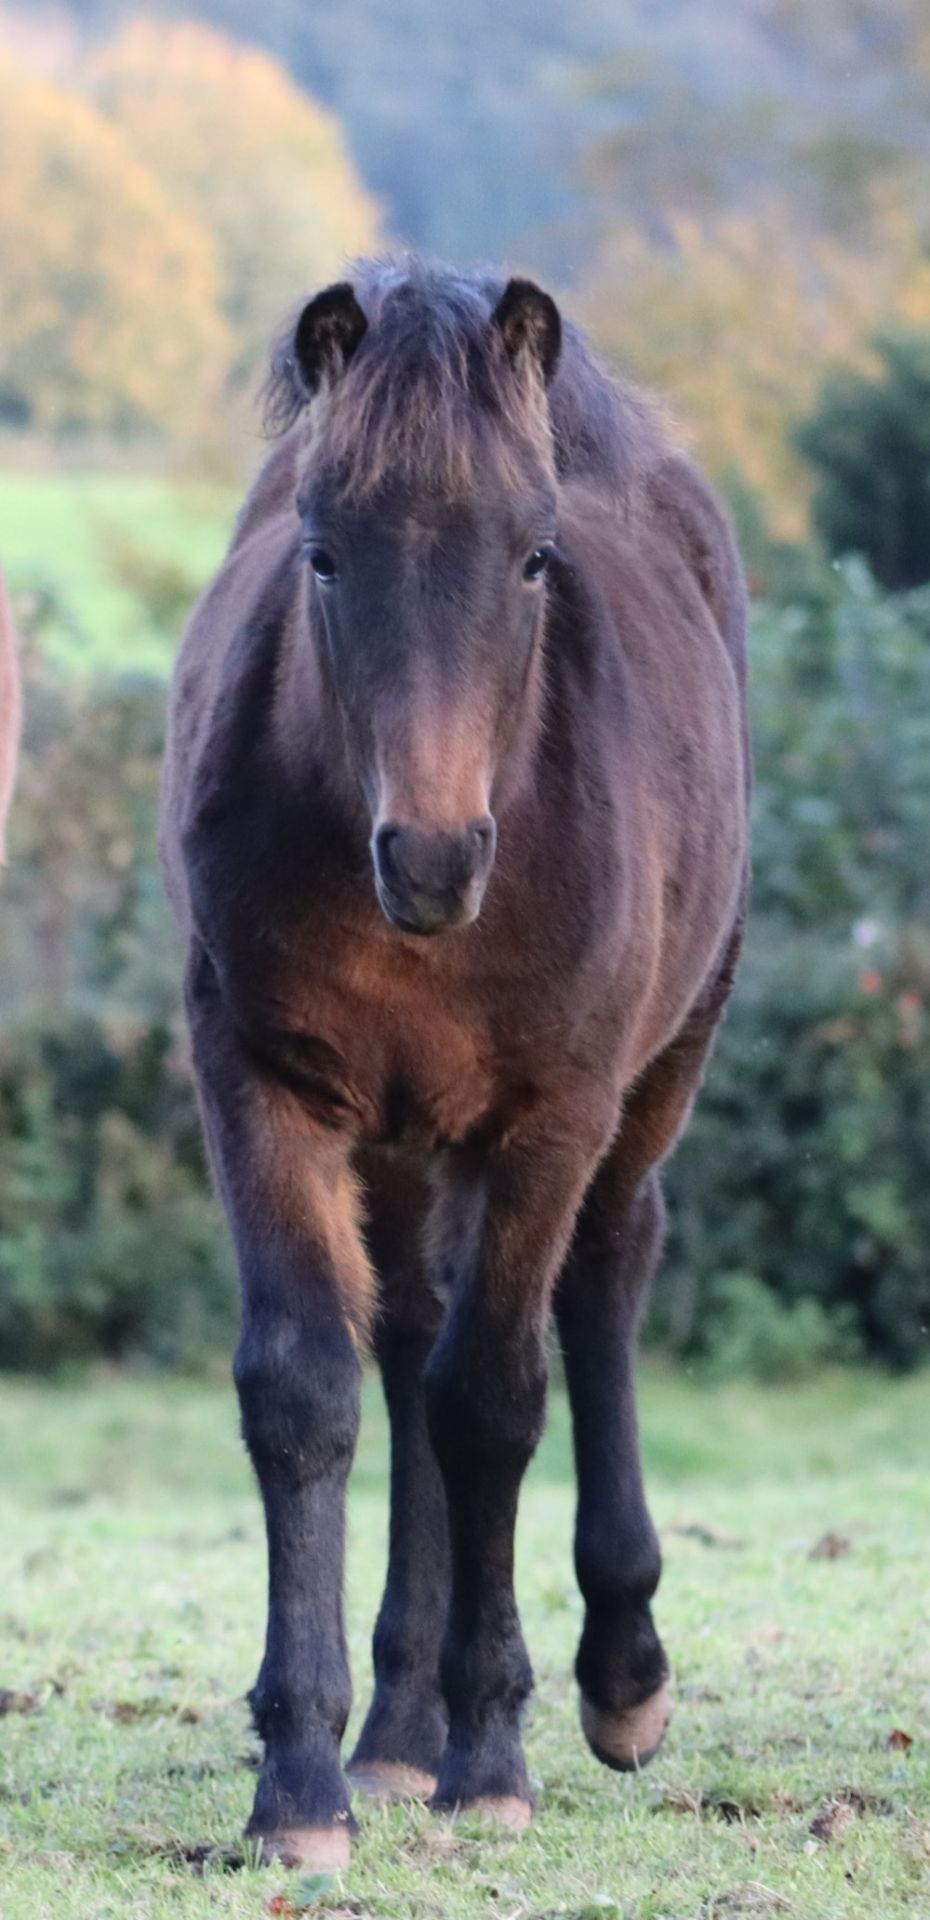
x: 758, y: 231
x: 109, y: 314
x: 249, y: 156
x: 735, y: 320
x: 158, y: 216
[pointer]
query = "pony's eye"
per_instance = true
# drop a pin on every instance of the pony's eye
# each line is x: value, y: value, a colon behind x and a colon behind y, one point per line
x: 537, y: 563
x: 323, y: 564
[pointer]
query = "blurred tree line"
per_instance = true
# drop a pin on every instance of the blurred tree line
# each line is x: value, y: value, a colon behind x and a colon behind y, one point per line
x: 484, y: 129
x: 736, y: 196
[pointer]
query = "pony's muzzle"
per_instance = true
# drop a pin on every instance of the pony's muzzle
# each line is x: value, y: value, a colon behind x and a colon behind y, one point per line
x: 429, y: 881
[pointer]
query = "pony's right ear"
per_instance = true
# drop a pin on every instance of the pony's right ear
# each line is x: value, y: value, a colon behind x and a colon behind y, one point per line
x: 329, y: 331
x: 320, y: 344
x: 529, y: 325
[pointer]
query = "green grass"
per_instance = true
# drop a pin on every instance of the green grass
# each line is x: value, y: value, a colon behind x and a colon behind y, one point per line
x: 133, y: 1573
x: 64, y: 532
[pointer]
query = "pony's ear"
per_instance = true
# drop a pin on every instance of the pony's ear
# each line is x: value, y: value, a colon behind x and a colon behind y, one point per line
x: 327, y: 334
x: 528, y: 322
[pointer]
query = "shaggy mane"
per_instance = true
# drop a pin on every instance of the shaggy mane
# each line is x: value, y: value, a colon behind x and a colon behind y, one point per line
x: 432, y: 394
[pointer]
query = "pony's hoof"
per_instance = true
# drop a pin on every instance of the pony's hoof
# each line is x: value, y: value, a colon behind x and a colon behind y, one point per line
x: 387, y: 1780
x: 504, y: 1809
x: 627, y: 1741
x: 314, y: 1849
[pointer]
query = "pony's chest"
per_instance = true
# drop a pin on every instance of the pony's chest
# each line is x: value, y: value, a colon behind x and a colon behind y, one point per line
x: 372, y: 1037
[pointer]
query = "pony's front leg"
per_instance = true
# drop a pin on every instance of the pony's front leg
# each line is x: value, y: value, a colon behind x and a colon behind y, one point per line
x: 401, y: 1742
x: 297, y: 1375
x: 290, y: 1200
x: 486, y: 1389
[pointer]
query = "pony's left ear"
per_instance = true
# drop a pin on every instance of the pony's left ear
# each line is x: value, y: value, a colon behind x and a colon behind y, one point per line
x: 329, y: 331
x: 529, y: 324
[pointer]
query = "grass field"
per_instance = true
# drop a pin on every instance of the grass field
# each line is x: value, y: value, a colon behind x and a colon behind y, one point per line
x: 75, y: 534
x: 131, y: 1613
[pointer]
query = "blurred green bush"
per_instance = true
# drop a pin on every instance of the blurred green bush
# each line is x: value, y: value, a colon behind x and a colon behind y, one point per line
x: 868, y: 442
x: 800, y: 1198
x: 111, y: 1244
x: 807, y: 1163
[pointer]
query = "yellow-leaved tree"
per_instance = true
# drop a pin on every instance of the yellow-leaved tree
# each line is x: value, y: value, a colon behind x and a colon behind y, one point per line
x: 736, y: 319
x: 108, y: 289
x: 254, y: 158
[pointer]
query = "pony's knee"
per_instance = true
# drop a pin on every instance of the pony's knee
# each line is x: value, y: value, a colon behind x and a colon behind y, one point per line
x: 299, y: 1390
x: 485, y: 1409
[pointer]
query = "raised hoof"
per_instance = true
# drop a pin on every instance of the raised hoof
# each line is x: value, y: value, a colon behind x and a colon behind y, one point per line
x: 627, y: 1741
x: 505, y: 1809
x: 315, y: 1849
x: 386, y: 1780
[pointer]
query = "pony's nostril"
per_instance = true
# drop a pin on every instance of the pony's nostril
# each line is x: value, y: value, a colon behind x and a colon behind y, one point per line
x: 385, y: 843
x: 484, y: 839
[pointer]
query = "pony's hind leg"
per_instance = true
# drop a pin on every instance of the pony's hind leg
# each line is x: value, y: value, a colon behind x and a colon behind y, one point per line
x: 401, y: 1743
x: 621, y: 1666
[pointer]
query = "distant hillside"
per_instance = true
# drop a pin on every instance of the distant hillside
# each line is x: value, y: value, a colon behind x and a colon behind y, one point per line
x: 483, y: 127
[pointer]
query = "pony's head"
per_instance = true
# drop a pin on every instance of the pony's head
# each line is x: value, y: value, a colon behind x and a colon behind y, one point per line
x: 427, y: 503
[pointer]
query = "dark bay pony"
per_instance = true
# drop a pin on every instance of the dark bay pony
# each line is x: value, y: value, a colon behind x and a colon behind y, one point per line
x: 455, y: 828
